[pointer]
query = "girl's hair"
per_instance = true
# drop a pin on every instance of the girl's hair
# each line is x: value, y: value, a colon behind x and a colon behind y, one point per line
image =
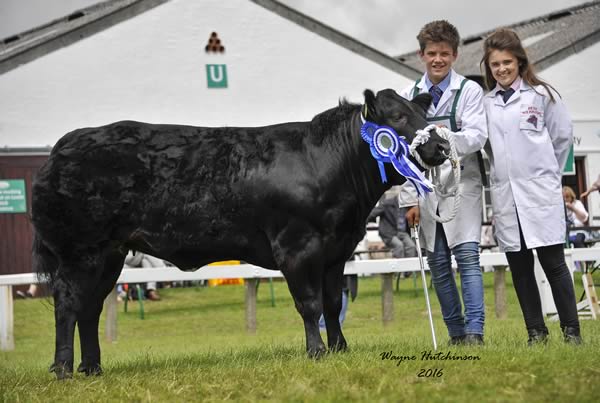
x: 507, y: 40
x: 570, y: 192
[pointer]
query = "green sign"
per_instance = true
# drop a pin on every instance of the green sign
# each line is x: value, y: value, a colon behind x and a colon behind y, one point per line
x: 12, y: 196
x: 216, y: 75
x: 570, y: 165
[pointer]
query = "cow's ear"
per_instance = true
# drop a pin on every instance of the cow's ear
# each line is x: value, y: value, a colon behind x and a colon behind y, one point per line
x: 369, y: 108
x: 423, y: 101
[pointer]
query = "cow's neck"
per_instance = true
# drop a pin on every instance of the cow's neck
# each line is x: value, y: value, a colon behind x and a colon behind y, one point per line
x: 360, y: 172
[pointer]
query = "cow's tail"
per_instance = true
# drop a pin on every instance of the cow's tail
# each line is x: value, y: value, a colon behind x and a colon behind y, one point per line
x: 45, y: 263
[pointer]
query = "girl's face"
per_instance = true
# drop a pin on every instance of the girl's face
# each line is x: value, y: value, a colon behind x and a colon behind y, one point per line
x: 504, y: 67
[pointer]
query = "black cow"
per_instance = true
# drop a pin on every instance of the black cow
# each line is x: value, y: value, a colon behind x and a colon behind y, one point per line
x: 292, y: 197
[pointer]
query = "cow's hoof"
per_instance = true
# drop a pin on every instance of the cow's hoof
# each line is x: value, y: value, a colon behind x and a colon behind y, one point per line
x: 338, y: 348
x: 90, y: 369
x: 62, y: 370
x: 317, y: 353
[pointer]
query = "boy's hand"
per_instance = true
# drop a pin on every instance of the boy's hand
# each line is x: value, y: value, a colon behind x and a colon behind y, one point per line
x: 412, y: 216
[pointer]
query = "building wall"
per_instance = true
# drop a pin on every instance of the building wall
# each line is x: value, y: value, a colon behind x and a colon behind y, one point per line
x: 16, y: 231
x: 587, y: 144
x: 153, y: 68
x: 576, y: 80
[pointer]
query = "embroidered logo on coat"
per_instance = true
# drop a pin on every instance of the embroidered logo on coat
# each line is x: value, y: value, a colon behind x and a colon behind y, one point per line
x: 533, y: 120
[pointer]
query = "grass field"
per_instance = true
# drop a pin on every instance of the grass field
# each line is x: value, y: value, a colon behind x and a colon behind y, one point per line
x: 192, y: 346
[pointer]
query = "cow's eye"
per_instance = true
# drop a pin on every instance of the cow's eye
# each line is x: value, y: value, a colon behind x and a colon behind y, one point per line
x: 400, y: 120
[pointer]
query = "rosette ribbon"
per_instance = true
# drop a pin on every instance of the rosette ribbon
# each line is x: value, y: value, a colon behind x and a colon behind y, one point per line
x: 387, y: 147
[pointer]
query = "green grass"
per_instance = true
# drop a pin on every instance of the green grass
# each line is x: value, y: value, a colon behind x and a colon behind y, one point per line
x: 193, y: 346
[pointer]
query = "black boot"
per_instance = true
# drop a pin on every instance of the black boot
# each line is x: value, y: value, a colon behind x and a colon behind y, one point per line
x: 537, y: 336
x: 456, y: 340
x: 572, y: 335
x: 472, y: 339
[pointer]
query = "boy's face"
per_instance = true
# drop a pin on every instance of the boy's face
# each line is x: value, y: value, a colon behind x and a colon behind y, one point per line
x: 438, y: 58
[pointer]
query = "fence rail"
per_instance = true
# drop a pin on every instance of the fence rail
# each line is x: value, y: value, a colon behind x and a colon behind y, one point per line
x: 252, y: 274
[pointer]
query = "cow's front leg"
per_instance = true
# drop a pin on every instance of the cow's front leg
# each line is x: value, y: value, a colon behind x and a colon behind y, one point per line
x: 311, y: 312
x: 304, y: 283
x: 333, y: 279
x: 297, y: 251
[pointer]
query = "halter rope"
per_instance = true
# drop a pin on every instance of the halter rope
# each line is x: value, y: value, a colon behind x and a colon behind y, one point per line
x: 422, y: 136
x: 409, y: 170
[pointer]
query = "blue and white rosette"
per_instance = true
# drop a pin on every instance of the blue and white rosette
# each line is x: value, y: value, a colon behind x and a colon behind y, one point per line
x: 387, y: 146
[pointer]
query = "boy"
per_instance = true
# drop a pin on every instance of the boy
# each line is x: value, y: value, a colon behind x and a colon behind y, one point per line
x: 458, y: 105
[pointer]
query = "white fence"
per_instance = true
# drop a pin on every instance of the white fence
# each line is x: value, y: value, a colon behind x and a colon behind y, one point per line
x: 254, y: 273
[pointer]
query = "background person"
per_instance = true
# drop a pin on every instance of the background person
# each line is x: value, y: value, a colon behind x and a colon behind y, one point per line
x: 595, y: 186
x: 393, y: 228
x: 577, y: 216
x: 31, y: 292
x: 457, y: 105
x: 526, y: 118
x: 142, y: 260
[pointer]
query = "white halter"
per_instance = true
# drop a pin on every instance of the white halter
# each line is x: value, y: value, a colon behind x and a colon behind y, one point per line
x: 422, y: 136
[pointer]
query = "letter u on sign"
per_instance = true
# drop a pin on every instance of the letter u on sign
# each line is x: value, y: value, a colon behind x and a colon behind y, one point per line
x: 216, y: 75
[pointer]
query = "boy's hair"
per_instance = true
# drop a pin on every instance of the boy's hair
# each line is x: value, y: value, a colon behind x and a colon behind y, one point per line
x: 439, y: 31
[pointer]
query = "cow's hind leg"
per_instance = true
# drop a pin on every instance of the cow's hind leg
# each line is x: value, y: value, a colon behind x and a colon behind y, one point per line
x: 72, y: 286
x: 332, y: 305
x: 64, y: 318
x: 88, y: 319
x: 68, y: 288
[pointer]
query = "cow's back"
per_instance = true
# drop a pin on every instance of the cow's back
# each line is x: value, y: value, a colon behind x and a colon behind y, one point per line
x: 161, y: 185
x: 91, y: 175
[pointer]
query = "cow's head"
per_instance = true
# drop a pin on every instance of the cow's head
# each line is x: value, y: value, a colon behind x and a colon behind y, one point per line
x: 406, y: 117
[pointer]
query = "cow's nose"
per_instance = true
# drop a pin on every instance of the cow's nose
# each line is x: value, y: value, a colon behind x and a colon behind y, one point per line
x: 444, y: 148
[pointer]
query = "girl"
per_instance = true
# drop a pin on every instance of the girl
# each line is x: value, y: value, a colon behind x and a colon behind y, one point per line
x: 530, y: 134
x: 577, y: 216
